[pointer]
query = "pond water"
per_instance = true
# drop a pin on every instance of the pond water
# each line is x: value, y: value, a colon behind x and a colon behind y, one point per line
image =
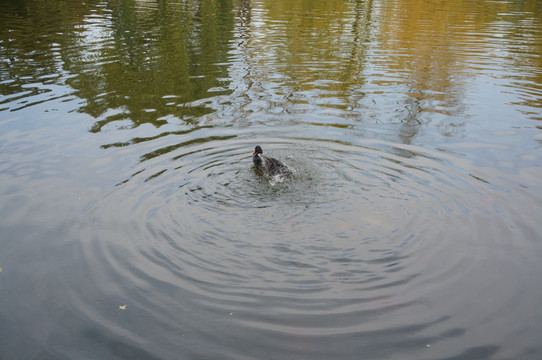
x: 133, y: 224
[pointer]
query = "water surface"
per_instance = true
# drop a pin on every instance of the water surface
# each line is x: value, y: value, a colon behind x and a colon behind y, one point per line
x: 134, y: 226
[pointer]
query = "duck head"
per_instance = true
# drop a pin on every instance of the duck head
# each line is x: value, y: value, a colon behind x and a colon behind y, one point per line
x: 257, y: 150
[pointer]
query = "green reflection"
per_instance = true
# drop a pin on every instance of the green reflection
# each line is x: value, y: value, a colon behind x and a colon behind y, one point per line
x: 136, y: 61
x: 156, y: 58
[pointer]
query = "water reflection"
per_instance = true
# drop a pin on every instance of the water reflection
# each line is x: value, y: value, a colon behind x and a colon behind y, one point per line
x: 126, y: 129
x: 149, y: 73
x: 148, y: 62
x: 134, y: 61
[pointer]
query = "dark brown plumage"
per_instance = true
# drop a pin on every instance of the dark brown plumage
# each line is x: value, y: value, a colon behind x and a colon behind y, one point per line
x: 268, y: 165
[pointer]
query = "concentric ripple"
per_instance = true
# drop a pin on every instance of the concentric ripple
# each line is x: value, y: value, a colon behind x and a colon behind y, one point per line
x: 134, y: 225
x: 354, y: 242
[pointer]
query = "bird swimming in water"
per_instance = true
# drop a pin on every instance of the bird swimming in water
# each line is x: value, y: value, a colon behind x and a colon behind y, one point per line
x: 268, y: 165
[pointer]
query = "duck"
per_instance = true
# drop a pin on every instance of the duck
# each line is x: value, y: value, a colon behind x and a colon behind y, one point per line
x: 267, y: 165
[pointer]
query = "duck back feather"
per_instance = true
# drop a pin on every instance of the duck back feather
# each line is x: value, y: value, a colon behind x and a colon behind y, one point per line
x: 268, y: 165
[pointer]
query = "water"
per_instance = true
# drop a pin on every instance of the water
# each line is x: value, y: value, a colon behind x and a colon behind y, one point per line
x: 134, y: 226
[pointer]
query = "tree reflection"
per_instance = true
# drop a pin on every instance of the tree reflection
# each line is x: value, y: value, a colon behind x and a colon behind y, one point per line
x: 136, y: 61
x: 161, y: 57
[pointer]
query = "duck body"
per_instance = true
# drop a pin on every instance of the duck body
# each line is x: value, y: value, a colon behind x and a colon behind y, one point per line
x: 267, y: 165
